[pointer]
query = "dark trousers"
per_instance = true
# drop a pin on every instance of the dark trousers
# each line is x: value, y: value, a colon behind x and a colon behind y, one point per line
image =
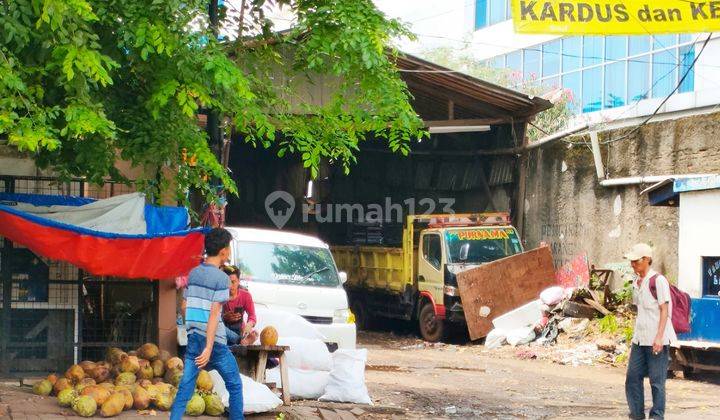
x: 644, y: 363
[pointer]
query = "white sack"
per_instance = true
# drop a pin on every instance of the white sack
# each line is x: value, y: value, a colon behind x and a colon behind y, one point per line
x: 347, y: 378
x: 304, y: 384
x: 306, y: 353
x: 286, y: 323
x: 523, y: 316
x: 257, y: 398
x: 495, y: 338
x: 552, y: 295
x: 520, y: 336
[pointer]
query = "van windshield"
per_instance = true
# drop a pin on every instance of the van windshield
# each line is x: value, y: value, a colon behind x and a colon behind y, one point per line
x: 285, y: 264
x: 485, y: 244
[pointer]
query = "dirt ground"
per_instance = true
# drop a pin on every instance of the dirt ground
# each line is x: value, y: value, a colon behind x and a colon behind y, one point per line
x: 408, y: 378
x: 467, y: 381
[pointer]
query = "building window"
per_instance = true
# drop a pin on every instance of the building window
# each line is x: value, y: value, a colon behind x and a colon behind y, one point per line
x: 592, y: 50
x: 663, y: 73
x: 498, y: 12
x: 615, y: 84
x: 531, y: 64
x: 660, y: 42
x: 615, y: 47
x: 687, y: 55
x: 573, y: 83
x: 497, y: 62
x: 592, y: 89
x: 480, y: 14
x: 514, y: 61
x: 638, y: 45
x: 638, y: 78
x: 571, y: 53
x: 551, y: 58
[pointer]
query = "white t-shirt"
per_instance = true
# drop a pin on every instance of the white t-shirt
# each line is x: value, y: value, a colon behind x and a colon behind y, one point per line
x: 648, y: 317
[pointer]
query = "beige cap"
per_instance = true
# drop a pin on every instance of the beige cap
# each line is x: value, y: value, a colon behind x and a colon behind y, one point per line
x: 638, y: 251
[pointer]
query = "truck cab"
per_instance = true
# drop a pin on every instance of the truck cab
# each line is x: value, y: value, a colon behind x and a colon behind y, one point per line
x: 417, y: 282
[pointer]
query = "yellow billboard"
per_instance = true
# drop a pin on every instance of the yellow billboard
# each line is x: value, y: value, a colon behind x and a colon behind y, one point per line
x: 615, y: 17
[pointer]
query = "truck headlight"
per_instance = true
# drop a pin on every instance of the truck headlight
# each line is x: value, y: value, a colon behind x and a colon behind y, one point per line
x: 343, y: 316
x: 451, y: 291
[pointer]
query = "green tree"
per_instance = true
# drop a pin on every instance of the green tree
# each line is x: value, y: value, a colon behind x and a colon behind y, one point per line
x: 546, y: 122
x: 85, y: 83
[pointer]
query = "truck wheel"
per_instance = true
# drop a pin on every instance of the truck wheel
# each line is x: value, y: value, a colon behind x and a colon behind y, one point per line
x: 431, y: 328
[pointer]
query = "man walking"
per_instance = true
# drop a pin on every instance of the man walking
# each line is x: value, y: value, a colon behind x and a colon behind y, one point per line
x: 650, y: 353
x: 206, y: 292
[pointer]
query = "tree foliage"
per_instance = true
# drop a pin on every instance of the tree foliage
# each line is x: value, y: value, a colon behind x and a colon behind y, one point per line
x: 546, y: 122
x: 85, y: 83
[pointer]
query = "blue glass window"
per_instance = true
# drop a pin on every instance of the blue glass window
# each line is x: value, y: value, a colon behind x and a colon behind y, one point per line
x: 571, y: 53
x: 639, y: 44
x: 615, y: 84
x: 592, y: 89
x: 615, y: 47
x: 592, y: 50
x: 663, y: 41
x: 497, y: 62
x: 663, y: 73
x: 497, y: 11
x: 686, y: 38
x: 687, y: 55
x: 480, y: 14
x: 638, y: 78
x: 514, y: 61
x: 551, y: 58
x: 573, y: 83
x: 531, y: 64
x: 550, y: 83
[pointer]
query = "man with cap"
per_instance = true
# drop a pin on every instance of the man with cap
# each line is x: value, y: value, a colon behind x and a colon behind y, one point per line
x: 650, y: 353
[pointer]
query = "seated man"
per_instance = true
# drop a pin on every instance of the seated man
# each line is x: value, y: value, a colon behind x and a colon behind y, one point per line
x: 239, y: 331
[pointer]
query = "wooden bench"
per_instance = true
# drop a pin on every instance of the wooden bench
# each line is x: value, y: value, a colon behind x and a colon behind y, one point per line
x: 252, y: 361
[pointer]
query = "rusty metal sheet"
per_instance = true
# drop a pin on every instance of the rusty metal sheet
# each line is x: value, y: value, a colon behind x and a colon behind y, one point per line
x: 503, y: 285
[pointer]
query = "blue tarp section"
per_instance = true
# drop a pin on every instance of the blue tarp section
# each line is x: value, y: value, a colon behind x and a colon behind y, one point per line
x: 45, y: 200
x: 704, y: 320
x: 165, y: 219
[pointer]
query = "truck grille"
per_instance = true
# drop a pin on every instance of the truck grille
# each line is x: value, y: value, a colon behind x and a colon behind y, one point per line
x: 318, y: 319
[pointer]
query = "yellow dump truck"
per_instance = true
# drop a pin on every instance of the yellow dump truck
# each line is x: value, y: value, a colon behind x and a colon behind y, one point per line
x: 418, y: 280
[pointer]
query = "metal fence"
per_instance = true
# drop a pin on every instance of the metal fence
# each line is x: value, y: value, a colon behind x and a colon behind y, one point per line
x: 52, y: 314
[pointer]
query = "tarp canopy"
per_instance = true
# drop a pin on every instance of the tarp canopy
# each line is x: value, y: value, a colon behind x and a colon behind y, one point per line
x: 120, y: 236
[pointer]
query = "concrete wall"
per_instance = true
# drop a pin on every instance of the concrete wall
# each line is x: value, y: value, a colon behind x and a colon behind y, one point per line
x: 567, y: 208
x: 699, y: 233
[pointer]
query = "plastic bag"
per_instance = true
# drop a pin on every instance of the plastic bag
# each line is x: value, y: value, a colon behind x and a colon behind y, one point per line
x: 520, y: 336
x: 495, y: 338
x: 306, y: 353
x: 257, y: 398
x: 304, y: 384
x: 552, y: 295
x: 286, y: 323
x: 347, y: 378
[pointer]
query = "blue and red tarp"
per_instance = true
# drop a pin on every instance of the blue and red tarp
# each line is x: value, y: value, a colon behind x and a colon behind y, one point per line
x: 121, y: 236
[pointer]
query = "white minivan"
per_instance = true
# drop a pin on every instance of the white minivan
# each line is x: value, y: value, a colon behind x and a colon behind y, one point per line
x: 295, y: 273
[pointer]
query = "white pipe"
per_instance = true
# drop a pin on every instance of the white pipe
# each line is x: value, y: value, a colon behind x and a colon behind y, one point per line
x: 556, y: 136
x: 458, y: 129
x: 599, y: 168
x: 637, y: 180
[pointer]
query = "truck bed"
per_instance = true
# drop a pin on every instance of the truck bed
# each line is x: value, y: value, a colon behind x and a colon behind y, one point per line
x: 372, y: 267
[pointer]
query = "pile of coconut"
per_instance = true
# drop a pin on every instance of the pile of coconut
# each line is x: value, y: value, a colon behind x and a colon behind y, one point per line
x: 143, y: 379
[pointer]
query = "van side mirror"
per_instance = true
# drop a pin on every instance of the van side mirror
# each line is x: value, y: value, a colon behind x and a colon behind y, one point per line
x: 343, y: 277
x: 464, y: 250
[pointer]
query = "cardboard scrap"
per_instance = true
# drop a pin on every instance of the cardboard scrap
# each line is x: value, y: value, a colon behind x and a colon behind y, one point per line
x: 500, y: 286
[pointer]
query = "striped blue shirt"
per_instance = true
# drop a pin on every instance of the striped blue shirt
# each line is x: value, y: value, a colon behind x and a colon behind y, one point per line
x: 206, y: 284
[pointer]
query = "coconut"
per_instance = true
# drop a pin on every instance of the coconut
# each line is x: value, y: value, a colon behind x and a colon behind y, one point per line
x: 213, y: 405
x: 84, y: 406
x: 128, y: 398
x: 158, y: 367
x: 204, y: 381
x: 173, y: 376
x: 149, y: 351
x: 164, y: 355
x: 52, y: 378
x: 100, y: 373
x: 75, y: 373
x: 196, y: 406
x: 113, y: 406
x: 88, y: 367
x: 108, y: 385
x: 174, y: 363
x: 141, y: 398
x: 125, y: 378
x: 156, y: 381
x: 61, y: 384
x: 114, y: 355
x: 164, y: 402
x: 146, y: 371
x: 132, y: 353
x: 43, y: 388
x: 66, y: 397
x: 129, y: 364
x: 98, y: 393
